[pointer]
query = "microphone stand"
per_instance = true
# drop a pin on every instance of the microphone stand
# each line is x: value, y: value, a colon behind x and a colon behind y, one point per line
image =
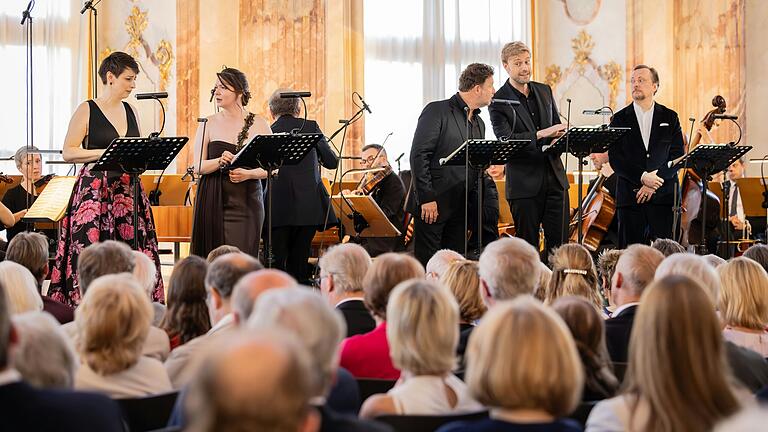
x: 26, y: 21
x: 677, y: 209
x: 90, y: 6
x: 466, y: 187
x: 566, y: 214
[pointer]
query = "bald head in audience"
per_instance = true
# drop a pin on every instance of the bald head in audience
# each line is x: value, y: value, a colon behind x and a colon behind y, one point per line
x: 252, y: 285
x: 440, y: 261
x: 508, y: 267
x: 635, y: 269
x: 223, y: 273
x: 236, y: 393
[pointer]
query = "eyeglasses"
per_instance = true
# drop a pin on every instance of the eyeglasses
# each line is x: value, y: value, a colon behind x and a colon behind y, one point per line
x: 369, y: 160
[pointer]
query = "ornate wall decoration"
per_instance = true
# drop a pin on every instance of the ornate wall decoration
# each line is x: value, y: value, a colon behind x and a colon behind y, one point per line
x: 135, y: 25
x: 581, y: 12
x: 582, y: 46
x: 552, y: 75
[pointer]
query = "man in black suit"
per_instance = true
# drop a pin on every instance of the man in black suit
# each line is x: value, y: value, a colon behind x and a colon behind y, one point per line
x: 634, y: 271
x: 299, y: 199
x: 536, y: 184
x: 646, y: 183
x: 342, y: 269
x: 24, y: 408
x: 439, y: 204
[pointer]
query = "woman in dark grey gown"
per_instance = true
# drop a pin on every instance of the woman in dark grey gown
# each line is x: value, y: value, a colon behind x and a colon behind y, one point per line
x: 228, y: 207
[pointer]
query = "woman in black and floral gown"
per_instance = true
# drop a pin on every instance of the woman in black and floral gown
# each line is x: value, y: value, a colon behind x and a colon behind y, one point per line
x: 101, y: 207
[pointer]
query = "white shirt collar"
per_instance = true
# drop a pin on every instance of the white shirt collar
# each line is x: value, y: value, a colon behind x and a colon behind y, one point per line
x: 226, y: 321
x: 349, y: 299
x: 9, y: 376
x: 645, y: 120
x: 623, y: 307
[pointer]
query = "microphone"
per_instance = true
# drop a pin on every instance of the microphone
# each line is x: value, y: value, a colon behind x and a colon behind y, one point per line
x: 365, y: 105
x: 88, y: 4
x: 202, y: 120
x: 725, y: 116
x: 599, y: 111
x: 26, y: 14
x: 399, y: 157
x: 505, y: 102
x: 213, y: 91
x: 151, y: 95
x: 295, y: 94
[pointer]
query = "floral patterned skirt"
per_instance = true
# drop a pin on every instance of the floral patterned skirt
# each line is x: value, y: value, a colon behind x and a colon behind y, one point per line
x: 101, y: 208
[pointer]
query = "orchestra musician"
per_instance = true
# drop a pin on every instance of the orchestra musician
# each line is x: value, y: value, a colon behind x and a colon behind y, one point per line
x: 741, y: 225
x: 646, y: 182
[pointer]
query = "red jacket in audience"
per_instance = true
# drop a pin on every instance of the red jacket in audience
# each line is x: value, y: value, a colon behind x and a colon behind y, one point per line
x: 367, y: 355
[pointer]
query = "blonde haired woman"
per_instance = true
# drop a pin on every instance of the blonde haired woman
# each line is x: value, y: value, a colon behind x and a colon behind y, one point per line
x: 463, y: 280
x: 112, y: 322
x: 422, y: 335
x: 21, y: 287
x: 743, y: 303
x: 573, y: 273
x: 676, y: 351
x: 523, y: 365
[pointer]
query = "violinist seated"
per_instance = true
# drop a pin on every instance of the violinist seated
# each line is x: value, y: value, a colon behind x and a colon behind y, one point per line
x: 19, y: 198
x: 388, y: 191
x: 603, y: 166
x: 740, y: 225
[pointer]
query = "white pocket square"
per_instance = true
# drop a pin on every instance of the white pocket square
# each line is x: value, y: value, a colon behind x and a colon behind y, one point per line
x: 663, y: 124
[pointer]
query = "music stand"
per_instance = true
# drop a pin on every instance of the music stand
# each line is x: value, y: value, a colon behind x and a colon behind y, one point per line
x: 583, y: 142
x: 361, y: 215
x: 133, y: 156
x: 481, y: 154
x: 705, y: 160
x: 270, y: 152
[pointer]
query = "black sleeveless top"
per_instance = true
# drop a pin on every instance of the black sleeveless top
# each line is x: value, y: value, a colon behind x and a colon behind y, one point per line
x: 101, y: 132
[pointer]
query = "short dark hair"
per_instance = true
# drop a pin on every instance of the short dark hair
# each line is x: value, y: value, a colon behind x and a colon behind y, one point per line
x: 104, y: 258
x: 475, y: 74
x: 224, y: 272
x: 667, y: 246
x: 117, y: 63
x: 236, y: 81
x: 29, y: 249
x: 377, y: 147
x: 654, y: 72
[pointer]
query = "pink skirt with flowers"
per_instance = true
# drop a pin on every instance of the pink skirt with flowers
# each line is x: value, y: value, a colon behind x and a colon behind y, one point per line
x: 101, y: 208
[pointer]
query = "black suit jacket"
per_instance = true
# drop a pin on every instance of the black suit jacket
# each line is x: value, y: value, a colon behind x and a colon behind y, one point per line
x: 617, y: 332
x: 390, y: 196
x: 441, y: 129
x: 299, y: 197
x: 357, y: 317
x: 629, y: 158
x: 526, y: 171
x: 24, y: 408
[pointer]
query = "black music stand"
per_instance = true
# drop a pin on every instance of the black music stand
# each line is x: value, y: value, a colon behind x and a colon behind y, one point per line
x: 705, y: 160
x: 482, y: 154
x: 583, y: 142
x: 270, y: 152
x: 133, y: 156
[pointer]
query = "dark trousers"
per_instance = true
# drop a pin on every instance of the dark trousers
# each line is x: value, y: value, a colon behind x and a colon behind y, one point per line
x: 546, y: 209
x: 447, y: 233
x: 291, y: 246
x: 643, y: 223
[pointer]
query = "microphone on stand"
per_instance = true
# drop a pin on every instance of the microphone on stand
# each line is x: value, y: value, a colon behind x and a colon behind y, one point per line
x: 600, y: 111
x: 365, y: 105
x: 505, y: 102
x: 295, y: 94
x: 151, y: 95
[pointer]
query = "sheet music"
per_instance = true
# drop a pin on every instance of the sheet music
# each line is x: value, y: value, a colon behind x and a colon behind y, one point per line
x: 53, y: 201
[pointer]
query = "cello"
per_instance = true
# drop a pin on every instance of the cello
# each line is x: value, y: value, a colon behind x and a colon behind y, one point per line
x: 598, y: 209
x: 691, y: 203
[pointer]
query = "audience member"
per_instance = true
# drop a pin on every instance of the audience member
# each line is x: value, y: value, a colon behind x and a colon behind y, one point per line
x: 743, y: 304
x: 511, y: 361
x: 545, y: 275
x: 438, y: 264
x: 667, y: 246
x: 508, y: 267
x: 30, y: 249
x: 342, y: 270
x: 588, y: 330
x: 187, y: 314
x: 26, y: 408
x: 367, y: 355
x: 221, y: 250
x: 573, y: 273
x: 251, y: 286
x: 44, y: 357
x: 606, y: 266
x: 113, y: 321
x: 676, y: 351
x: 463, y: 280
x: 145, y: 272
x: 634, y: 271
x: 20, y: 287
x: 758, y: 252
x: 234, y: 393
x: 423, y: 333
x: 714, y: 260
x: 694, y: 267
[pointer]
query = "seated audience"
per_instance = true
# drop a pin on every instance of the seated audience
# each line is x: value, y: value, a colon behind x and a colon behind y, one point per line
x: 342, y: 270
x: 440, y: 261
x: 634, y: 271
x: 676, y: 351
x: 510, y: 364
x: 186, y: 316
x: 573, y: 273
x: 251, y: 286
x: 235, y: 393
x: 423, y: 334
x: 145, y: 273
x: 758, y: 252
x: 606, y: 266
x: 30, y: 249
x: 667, y: 246
x: 44, y: 357
x: 220, y: 279
x: 319, y: 329
x: 714, y: 260
x: 106, y: 258
x: 20, y: 287
x: 221, y: 250
x: 367, y: 355
x: 743, y: 304
x: 588, y: 330
x: 463, y: 280
x: 26, y: 408
x: 113, y: 321
x: 508, y: 267
x: 545, y: 275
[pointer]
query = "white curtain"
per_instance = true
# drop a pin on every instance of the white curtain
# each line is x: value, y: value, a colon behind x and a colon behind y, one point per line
x: 415, y: 52
x: 59, y: 72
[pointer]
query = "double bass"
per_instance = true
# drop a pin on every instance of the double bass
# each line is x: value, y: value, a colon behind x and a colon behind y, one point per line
x: 598, y: 211
x: 691, y: 200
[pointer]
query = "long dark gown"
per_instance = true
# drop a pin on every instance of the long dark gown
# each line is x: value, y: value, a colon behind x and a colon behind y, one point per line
x: 226, y: 213
x: 101, y: 208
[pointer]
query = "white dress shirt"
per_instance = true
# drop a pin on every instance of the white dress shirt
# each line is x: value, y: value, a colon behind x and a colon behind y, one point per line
x: 739, y: 204
x: 645, y: 120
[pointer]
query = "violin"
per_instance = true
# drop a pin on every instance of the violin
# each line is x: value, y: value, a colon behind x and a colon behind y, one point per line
x: 598, y: 210
x: 42, y: 182
x: 372, y: 180
x: 5, y: 178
